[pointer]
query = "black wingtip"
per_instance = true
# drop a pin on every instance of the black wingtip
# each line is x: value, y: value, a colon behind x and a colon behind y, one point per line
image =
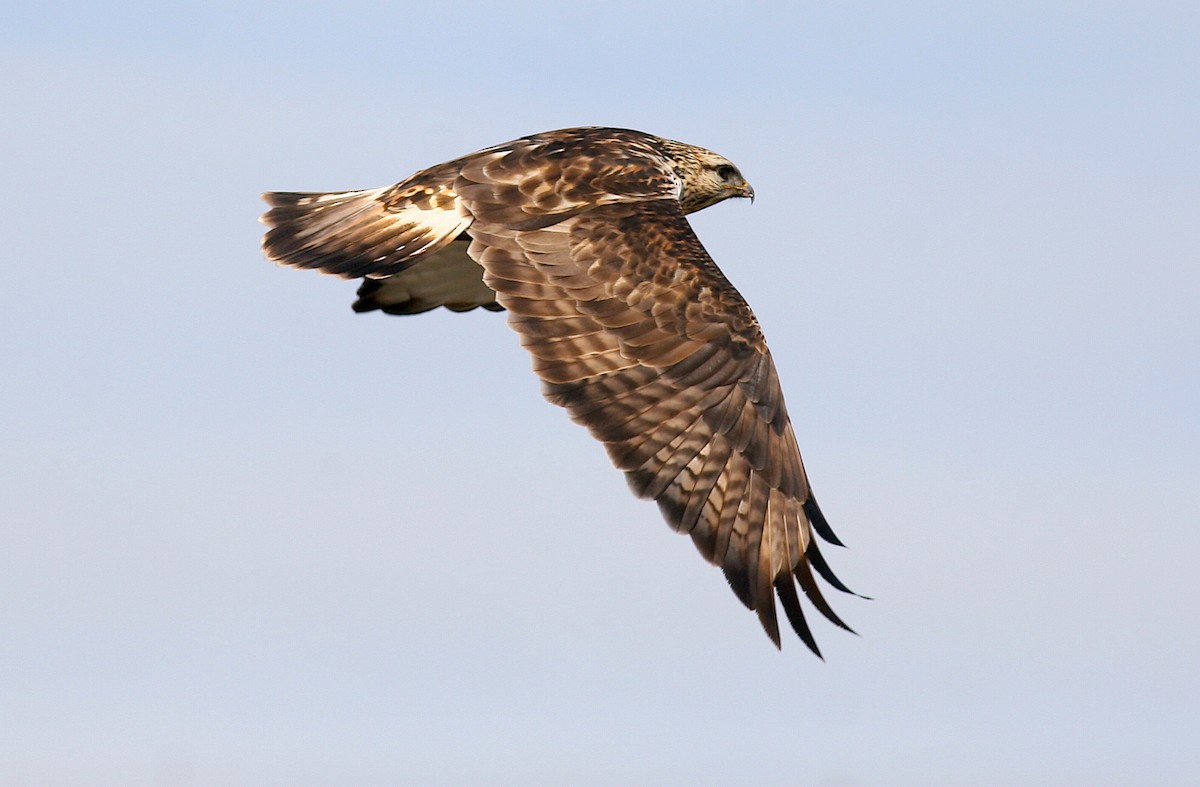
x: 808, y: 583
x: 813, y: 553
x: 739, y: 582
x: 790, y: 600
x: 766, y: 616
x: 818, y: 521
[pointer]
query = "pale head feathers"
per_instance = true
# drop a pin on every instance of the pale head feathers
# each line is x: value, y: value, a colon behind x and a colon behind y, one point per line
x: 707, y: 177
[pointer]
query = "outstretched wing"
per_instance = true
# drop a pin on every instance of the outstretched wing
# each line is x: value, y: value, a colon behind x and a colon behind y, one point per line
x: 635, y: 331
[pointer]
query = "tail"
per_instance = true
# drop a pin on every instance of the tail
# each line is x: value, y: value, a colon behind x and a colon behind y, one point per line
x: 352, y: 234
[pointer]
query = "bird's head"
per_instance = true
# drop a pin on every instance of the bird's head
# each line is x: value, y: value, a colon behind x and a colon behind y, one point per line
x: 707, y: 177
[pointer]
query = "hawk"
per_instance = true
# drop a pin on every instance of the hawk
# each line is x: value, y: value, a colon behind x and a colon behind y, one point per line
x: 581, y: 236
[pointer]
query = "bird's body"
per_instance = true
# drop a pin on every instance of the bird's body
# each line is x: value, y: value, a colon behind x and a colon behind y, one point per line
x: 581, y: 235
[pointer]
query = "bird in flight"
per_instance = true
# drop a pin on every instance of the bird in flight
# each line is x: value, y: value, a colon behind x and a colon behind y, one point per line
x: 581, y: 236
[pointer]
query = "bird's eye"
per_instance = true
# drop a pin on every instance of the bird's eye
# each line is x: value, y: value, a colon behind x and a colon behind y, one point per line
x: 726, y: 172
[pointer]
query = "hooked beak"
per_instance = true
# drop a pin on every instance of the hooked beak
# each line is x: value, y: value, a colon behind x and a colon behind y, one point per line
x: 744, y: 190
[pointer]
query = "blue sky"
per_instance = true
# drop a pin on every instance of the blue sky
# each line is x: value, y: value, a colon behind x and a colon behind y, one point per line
x: 252, y: 538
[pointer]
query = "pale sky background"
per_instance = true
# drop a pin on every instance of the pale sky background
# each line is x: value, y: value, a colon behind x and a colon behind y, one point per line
x: 249, y: 537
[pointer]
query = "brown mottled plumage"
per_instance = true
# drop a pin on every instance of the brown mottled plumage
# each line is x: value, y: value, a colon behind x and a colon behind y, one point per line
x: 581, y: 235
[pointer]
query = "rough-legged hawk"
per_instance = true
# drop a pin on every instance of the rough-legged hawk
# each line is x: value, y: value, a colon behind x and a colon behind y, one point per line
x: 581, y: 235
